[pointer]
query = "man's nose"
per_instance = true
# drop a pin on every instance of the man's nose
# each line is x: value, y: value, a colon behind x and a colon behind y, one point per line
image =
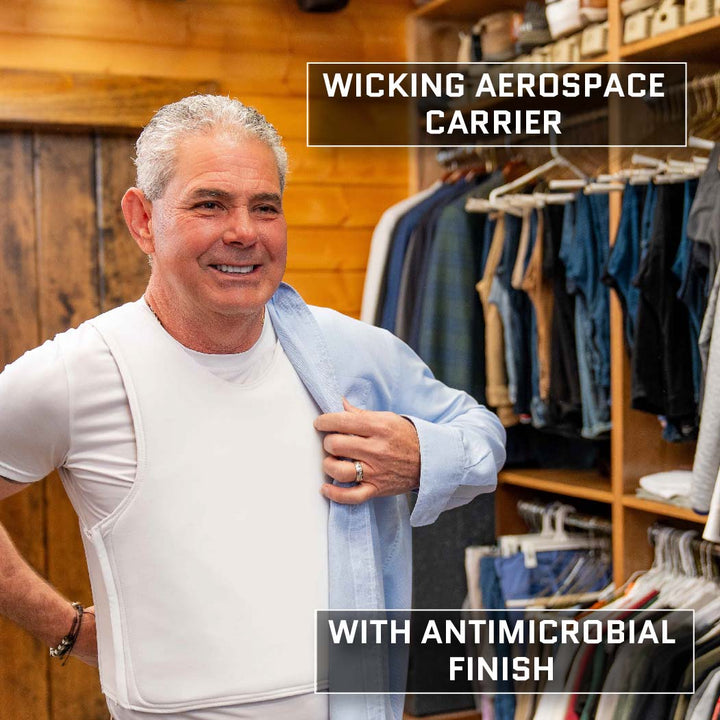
x: 240, y: 229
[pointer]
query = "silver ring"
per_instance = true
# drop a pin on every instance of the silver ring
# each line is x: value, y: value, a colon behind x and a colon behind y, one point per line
x: 358, y: 471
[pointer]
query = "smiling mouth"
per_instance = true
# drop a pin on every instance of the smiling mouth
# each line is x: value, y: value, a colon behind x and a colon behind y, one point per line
x: 235, y: 269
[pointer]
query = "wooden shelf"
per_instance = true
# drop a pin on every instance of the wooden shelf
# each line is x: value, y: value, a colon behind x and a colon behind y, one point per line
x: 660, y: 508
x: 460, y: 715
x: 587, y: 484
x: 464, y: 10
x: 694, y: 41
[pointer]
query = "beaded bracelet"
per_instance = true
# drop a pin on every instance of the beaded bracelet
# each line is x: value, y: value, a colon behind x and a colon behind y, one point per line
x: 65, y: 646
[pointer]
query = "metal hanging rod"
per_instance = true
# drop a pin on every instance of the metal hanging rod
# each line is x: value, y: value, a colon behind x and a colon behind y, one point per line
x: 578, y: 521
x: 449, y: 155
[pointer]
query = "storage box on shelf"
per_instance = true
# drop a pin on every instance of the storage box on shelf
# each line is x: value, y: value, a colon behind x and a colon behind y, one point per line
x: 695, y: 42
x: 637, y: 447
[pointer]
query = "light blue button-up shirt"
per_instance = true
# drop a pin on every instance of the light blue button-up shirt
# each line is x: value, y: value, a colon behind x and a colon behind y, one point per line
x: 462, y: 448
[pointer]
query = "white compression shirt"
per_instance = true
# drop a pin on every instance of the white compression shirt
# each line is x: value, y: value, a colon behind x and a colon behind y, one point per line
x: 37, y: 421
x: 92, y: 442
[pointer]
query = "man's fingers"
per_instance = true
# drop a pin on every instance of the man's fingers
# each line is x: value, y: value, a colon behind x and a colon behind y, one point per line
x: 350, y: 408
x: 348, y: 446
x: 350, y: 495
x: 343, y: 470
x: 385, y: 443
x: 353, y: 421
x: 347, y: 422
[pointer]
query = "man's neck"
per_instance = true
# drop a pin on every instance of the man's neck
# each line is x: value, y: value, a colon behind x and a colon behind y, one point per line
x: 206, y: 332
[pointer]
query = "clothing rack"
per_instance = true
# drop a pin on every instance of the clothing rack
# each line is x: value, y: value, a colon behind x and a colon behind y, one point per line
x: 575, y: 520
x: 456, y: 155
x: 707, y: 84
x: 699, y: 547
x: 702, y: 82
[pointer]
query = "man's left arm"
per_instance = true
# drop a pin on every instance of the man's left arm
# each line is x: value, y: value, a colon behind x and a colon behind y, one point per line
x: 432, y: 438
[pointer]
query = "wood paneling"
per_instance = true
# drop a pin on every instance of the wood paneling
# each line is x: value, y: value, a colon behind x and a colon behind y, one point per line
x: 341, y: 291
x: 337, y: 166
x: 124, y: 267
x: 68, y: 277
x: 286, y: 113
x: 256, y: 73
x: 23, y: 680
x: 311, y: 248
x: 68, y: 240
x: 18, y: 289
x: 94, y: 101
x: 278, y: 27
x: 344, y: 206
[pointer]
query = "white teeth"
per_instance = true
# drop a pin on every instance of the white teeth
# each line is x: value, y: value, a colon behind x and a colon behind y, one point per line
x: 235, y: 268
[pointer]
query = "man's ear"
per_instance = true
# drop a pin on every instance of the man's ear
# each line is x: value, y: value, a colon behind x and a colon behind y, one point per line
x: 137, y: 210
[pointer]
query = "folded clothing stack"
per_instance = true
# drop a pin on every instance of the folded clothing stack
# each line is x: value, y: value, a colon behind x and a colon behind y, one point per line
x: 569, y: 16
x: 528, y: 37
x: 672, y: 486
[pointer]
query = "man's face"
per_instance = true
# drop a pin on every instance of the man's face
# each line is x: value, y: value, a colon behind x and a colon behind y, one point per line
x: 219, y: 233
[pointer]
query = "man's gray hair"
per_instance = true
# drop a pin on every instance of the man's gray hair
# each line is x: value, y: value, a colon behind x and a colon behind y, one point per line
x: 155, y: 148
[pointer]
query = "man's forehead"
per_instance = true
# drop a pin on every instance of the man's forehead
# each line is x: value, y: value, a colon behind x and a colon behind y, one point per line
x: 217, y: 153
x: 221, y: 139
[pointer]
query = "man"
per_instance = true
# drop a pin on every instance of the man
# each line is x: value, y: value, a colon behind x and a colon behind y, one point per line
x: 200, y: 433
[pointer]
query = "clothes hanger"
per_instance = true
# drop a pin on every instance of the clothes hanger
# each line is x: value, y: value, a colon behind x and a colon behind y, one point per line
x: 700, y: 143
x: 661, y: 171
x: 684, y: 591
x: 510, y: 544
x: 585, y: 572
x: 513, y: 168
x: 543, y: 199
x: 567, y: 184
x: 557, y: 160
x: 572, y: 586
x: 705, y: 124
x: 702, y: 591
x: 603, y: 188
x: 494, y: 202
x: 654, y: 578
x: 560, y: 540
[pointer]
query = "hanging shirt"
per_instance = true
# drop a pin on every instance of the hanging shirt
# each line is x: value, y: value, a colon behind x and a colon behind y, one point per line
x: 662, y: 380
x: 379, y: 248
x: 390, y: 292
x: 450, y: 327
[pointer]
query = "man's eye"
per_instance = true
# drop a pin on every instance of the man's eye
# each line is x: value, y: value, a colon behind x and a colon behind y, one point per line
x: 207, y: 205
x: 268, y: 209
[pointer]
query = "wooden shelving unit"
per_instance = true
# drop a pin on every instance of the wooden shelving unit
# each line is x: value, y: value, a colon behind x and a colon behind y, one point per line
x: 464, y: 10
x: 637, y: 447
x: 584, y: 484
x: 462, y: 715
x: 696, y: 41
x: 665, y: 509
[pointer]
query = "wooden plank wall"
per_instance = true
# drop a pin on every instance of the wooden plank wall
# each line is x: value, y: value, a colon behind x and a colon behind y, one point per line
x: 66, y: 256
x: 64, y: 251
x: 257, y: 51
x: 23, y: 671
